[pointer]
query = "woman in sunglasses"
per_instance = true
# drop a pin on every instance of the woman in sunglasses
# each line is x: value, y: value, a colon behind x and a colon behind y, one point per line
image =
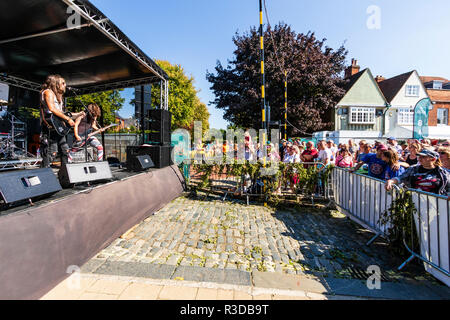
x: 428, y: 176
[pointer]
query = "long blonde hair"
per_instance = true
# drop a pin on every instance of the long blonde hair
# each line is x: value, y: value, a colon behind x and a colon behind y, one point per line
x: 54, y: 83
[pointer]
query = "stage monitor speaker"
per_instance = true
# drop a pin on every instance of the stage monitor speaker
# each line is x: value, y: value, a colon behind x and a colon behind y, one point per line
x: 18, y: 186
x: 161, y: 155
x: 73, y: 173
x: 159, y: 126
x: 139, y: 163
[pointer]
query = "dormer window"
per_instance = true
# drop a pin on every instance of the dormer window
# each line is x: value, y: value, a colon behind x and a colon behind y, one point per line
x: 412, y: 91
x: 437, y: 85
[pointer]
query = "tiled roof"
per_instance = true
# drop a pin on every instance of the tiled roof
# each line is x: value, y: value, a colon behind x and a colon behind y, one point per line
x: 352, y: 80
x: 439, y: 95
x: 429, y: 79
x: 392, y: 86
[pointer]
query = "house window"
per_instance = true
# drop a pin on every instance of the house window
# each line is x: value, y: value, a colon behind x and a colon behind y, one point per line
x: 442, y: 116
x: 412, y: 91
x: 437, y: 85
x: 405, y: 116
x: 362, y: 115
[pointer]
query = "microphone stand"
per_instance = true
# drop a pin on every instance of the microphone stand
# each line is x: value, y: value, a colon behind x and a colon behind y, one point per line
x: 87, y: 113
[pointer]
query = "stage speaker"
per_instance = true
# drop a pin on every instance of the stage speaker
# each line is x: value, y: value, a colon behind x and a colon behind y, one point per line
x: 159, y: 127
x: 18, y: 186
x: 161, y: 155
x: 73, y: 173
x: 139, y: 163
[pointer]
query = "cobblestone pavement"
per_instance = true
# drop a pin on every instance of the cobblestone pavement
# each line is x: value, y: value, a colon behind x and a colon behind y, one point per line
x: 230, y: 235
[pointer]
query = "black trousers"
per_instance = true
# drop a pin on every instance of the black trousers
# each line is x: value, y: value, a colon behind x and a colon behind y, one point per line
x: 53, y: 144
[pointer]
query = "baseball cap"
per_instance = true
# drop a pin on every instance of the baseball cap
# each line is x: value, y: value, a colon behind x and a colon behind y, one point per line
x: 392, y: 138
x: 382, y: 147
x: 428, y: 153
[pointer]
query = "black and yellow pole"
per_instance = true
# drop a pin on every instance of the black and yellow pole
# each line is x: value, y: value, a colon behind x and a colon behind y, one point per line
x: 263, y: 94
x: 285, y: 105
x: 263, y: 79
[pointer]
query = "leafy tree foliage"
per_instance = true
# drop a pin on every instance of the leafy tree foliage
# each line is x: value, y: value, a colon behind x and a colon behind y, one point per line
x: 314, y: 79
x: 184, y: 104
x: 109, y: 101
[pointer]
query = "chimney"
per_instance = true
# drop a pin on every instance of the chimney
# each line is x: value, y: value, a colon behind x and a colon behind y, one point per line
x: 353, y: 69
x: 378, y: 79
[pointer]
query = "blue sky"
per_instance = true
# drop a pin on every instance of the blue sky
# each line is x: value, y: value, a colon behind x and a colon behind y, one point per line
x: 413, y: 34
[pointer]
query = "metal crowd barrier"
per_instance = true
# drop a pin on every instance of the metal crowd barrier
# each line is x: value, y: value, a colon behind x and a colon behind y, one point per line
x: 251, y: 186
x: 432, y: 223
x: 364, y: 199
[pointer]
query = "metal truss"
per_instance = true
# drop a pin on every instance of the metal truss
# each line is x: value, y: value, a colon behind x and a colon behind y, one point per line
x: 164, y: 95
x: 91, y: 14
x: 115, y: 85
x: 21, y: 83
x: 20, y: 164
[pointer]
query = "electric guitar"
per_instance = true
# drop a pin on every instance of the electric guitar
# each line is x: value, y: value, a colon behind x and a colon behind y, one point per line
x: 59, y: 125
x: 79, y: 144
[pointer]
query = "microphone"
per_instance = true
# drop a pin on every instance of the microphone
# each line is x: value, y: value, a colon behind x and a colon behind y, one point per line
x: 72, y: 89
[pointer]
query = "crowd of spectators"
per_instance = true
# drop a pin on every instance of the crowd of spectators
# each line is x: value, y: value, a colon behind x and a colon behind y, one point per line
x: 417, y: 164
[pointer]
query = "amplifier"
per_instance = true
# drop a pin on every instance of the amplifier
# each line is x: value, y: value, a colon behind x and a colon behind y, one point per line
x: 84, y: 172
x: 160, y: 155
x: 27, y: 184
x: 139, y: 163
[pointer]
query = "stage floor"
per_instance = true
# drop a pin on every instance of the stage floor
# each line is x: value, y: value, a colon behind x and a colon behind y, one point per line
x: 118, y: 175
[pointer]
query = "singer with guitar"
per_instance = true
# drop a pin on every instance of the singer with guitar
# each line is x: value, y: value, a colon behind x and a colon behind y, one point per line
x: 83, y: 127
x: 53, y: 141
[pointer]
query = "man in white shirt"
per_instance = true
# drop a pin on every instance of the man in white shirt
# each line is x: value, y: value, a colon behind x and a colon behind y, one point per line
x: 325, y: 154
x: 332, y: 147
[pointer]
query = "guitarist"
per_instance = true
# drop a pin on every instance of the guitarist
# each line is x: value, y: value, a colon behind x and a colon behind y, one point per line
x: 52, y: 103
x: 83, y: 125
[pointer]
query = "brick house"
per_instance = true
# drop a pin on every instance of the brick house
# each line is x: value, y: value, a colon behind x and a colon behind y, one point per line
x: 439, y: 92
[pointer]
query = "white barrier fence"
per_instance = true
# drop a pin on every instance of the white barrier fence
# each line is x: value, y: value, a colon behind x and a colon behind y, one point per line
x: 364, y: 199
x: 432, y: 223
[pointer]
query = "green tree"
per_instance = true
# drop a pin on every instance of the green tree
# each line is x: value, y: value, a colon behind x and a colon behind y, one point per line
x: 109, y: 101
x: 314, y: 79
x: 184, y: 104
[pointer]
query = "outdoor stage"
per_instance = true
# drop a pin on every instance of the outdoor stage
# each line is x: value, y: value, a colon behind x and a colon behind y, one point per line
x: 41, y: 244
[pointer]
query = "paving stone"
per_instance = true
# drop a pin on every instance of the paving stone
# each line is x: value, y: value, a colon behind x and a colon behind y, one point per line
x: 191, y: 243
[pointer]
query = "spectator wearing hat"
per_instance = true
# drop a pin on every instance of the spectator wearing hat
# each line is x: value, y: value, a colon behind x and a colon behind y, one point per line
x: 377, y: 166
x: 428, y: 176
x: 392, y: 143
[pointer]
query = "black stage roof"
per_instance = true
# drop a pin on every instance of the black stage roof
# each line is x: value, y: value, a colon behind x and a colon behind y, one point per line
x: 36, y: 40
